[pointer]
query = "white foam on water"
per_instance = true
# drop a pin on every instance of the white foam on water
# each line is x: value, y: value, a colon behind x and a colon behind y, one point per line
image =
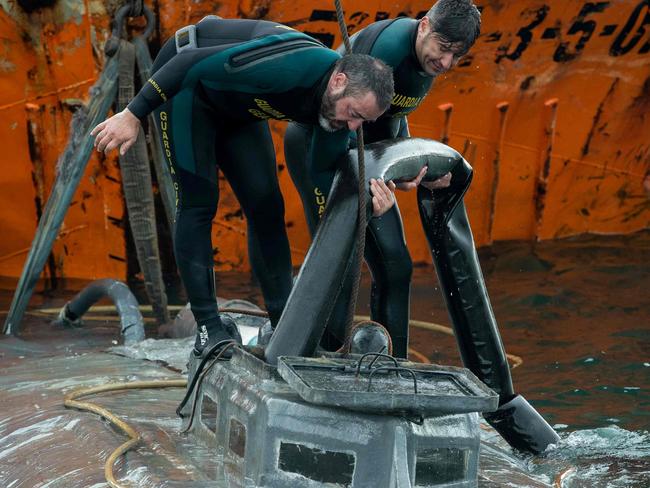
x: 612, y: 441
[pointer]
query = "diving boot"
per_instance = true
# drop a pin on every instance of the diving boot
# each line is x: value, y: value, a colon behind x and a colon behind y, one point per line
x: 450, y: 238
x: 213, y: 341
x: 522, y: 426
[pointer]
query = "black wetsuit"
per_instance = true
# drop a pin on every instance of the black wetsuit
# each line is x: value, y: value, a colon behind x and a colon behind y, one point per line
x: 386, y: 253
x: 211, y: 103
x: 449, y: 235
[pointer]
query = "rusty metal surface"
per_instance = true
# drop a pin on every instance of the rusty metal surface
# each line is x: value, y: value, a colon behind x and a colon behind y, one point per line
x: 571, y: 155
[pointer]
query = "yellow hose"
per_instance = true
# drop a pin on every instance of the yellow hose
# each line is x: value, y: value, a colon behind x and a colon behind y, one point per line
x: 108, y: 308
x: 420, y: 324
x: 419, y: 356
x: 70, y: 401
x: 561, y: 477
x: 48, y: 312
x: 89, y: 318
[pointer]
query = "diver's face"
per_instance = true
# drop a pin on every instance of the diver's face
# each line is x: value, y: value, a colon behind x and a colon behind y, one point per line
x: 340, y: 111
x: 434, y: 54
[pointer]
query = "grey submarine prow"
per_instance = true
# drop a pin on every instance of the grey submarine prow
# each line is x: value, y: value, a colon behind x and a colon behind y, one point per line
x: 448, y: 232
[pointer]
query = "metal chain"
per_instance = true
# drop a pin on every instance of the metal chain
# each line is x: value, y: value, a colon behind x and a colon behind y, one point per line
x: 137, y: 8
x: 134, y: 8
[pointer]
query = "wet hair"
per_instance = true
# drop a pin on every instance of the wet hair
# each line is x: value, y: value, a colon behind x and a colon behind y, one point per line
x: 365, y: 74
x: 455, y: 22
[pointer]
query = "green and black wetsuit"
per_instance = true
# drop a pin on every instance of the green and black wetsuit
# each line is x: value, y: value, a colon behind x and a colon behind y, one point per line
x: 211, y: 104
x: 392, y: 41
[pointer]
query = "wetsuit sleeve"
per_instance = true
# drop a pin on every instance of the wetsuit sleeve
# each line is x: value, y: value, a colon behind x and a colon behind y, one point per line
x: 247, y: 67
x: 325, y: 150
x: 168, y: 80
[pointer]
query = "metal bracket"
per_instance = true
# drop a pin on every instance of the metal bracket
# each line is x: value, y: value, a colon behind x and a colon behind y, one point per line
x: 185, y: 38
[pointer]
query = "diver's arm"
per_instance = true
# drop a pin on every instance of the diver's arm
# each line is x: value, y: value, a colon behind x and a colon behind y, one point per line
x: 325, y: 150
x: 254, y: 73
x: 121, y: 130
x: 442, y: 182
x: 169, y: 79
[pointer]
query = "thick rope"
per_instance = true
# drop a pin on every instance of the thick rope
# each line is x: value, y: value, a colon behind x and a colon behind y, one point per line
x: 343, y: 27
x: 361, y: 221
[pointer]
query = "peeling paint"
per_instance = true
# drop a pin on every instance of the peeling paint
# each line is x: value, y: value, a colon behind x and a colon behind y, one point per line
x: 622, y: 194
x: 72, y: 10
x: 528, y: 81
x: 47, y: 56
x: 7, y: 66
x: 641, y: 102
x: 597, y: 116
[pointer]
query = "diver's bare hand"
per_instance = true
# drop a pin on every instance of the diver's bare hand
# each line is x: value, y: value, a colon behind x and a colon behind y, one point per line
x: 383, y: 196
x: 412, y: 184
x: 121, y: 130
x: 442, y: 182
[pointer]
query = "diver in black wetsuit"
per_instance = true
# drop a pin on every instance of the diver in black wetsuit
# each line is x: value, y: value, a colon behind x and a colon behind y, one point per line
x: 417, y: 51
x: 212, y: 89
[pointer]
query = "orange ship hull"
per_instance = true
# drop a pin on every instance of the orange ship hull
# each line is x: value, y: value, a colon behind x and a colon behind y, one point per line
x: 550, y: 108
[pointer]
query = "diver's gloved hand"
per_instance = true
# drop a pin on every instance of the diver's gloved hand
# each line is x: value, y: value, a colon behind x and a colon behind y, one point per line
x: 264, y: 334
x: 207, y: 338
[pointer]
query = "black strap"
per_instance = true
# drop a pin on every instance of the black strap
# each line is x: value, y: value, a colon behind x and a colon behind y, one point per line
x: 136, y: 184
x: 365, y: 40
x: 276, y: 48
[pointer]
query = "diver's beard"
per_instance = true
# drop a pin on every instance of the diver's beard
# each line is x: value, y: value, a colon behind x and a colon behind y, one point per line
x: 327, y: 113
x: 325, y: 124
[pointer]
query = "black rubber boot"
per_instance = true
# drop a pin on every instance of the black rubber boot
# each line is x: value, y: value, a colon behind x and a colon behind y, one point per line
x: 448, y: 232
x: 208, y: 337
x: 522, y: 426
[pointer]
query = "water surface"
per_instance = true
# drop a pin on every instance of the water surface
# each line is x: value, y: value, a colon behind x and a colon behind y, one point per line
x: 577, y: 313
